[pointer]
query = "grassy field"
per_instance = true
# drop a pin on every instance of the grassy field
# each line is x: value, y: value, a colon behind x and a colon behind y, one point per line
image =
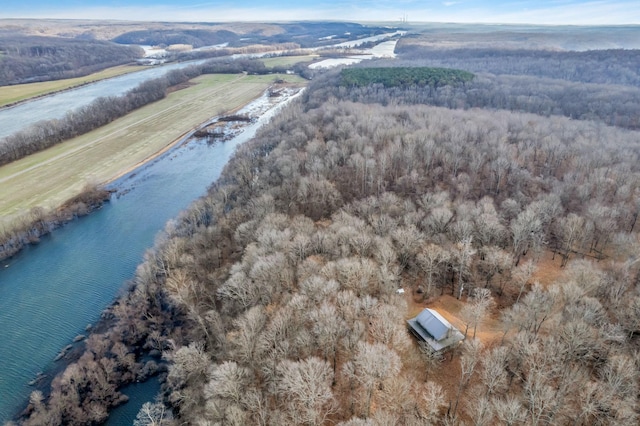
x: 20, y: 92
x: 283, y: 61
x: 50, y: 177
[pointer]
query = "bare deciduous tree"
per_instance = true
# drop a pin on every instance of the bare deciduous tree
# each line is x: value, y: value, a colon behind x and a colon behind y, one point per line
x: 527, y: 233
x: 372, y: 365
x: 509, y: 411
x: 244, y: 339
x: 571, y: 233
x: 328, y: 329
x: 433, y: 261
x: 463, y: 255
x: 153, y: 414
x: 493, y: 373
x: 468, y: 362
x: 306, y: 388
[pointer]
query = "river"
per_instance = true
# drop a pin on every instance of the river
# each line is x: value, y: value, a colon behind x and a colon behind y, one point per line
x: 23, y: 115
x: 51, y: 291
x: 20, y: 116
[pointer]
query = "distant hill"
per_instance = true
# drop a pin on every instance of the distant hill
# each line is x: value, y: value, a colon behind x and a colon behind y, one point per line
x: 305, y: 34
x: 41, y: 50
x: 26, y: 59
x: 195, y: 38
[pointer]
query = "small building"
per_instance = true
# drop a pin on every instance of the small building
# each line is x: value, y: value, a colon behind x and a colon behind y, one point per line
x: 436, y: 331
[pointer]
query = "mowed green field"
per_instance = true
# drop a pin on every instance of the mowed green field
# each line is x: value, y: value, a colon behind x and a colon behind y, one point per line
x: 20, y: 92
x: 49, y: 178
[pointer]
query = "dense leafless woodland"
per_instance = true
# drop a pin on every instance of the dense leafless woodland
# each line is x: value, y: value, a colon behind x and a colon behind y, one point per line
x: 26, y: 59
x: 273, y: 299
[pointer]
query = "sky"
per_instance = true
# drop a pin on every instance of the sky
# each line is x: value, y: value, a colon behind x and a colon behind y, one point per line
x: 551, y: 12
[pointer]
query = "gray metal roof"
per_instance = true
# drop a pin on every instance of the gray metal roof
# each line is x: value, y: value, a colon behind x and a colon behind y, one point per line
x: 433, y: 323
x: 431, y: 327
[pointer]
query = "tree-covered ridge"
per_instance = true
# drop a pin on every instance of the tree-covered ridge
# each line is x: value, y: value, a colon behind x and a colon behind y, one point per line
x: 607, y: 66
x: 196, y: 38
x: 614, y: 105
x: 404, y: 76
x: 306, y: 34
x: 27, y: 59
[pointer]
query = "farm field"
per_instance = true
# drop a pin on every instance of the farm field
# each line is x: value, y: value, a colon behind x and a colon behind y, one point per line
x: 21, y: 92
x: 48, y: 178
x: 283, y: 61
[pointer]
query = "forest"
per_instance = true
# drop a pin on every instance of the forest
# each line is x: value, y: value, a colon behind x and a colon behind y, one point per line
x: 273, y: 299
x: 609, y: 66
x: 196, y: 38
x: 28, y: 59
x: 404, y: 76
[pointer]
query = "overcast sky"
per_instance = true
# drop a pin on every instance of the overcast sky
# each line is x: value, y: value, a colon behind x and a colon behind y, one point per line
x: 482, y: 11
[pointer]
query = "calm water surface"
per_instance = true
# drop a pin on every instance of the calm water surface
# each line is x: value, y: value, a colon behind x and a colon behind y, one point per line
x: 19, y: 117
x: 51, y: 291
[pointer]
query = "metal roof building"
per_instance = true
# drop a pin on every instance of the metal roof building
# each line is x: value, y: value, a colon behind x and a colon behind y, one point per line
x: 436, y: 331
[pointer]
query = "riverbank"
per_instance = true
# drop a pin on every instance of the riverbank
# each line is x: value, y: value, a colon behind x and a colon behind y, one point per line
x: 29, y: 227
x: 48, y: 178
x: 176, y: 142
x: 37, y: 222
x: 145, y: 364
x: 97, y: 255
x: 11, y: 96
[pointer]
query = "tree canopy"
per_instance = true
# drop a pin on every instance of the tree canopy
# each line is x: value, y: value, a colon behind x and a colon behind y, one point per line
x: 404, y: 76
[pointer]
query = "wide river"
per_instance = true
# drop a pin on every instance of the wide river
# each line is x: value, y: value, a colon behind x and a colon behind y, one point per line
x: 18, y: 117
x: 51, y: 291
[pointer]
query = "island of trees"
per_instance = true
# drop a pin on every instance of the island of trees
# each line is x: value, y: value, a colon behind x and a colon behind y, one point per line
x: 505, y: 200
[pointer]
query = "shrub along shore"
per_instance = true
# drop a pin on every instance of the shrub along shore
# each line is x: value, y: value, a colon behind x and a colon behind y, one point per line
x: 29, y: 228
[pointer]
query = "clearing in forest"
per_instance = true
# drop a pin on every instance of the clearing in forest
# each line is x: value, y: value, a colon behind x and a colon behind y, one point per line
x: 449, y: 307
x: 49, y: 178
